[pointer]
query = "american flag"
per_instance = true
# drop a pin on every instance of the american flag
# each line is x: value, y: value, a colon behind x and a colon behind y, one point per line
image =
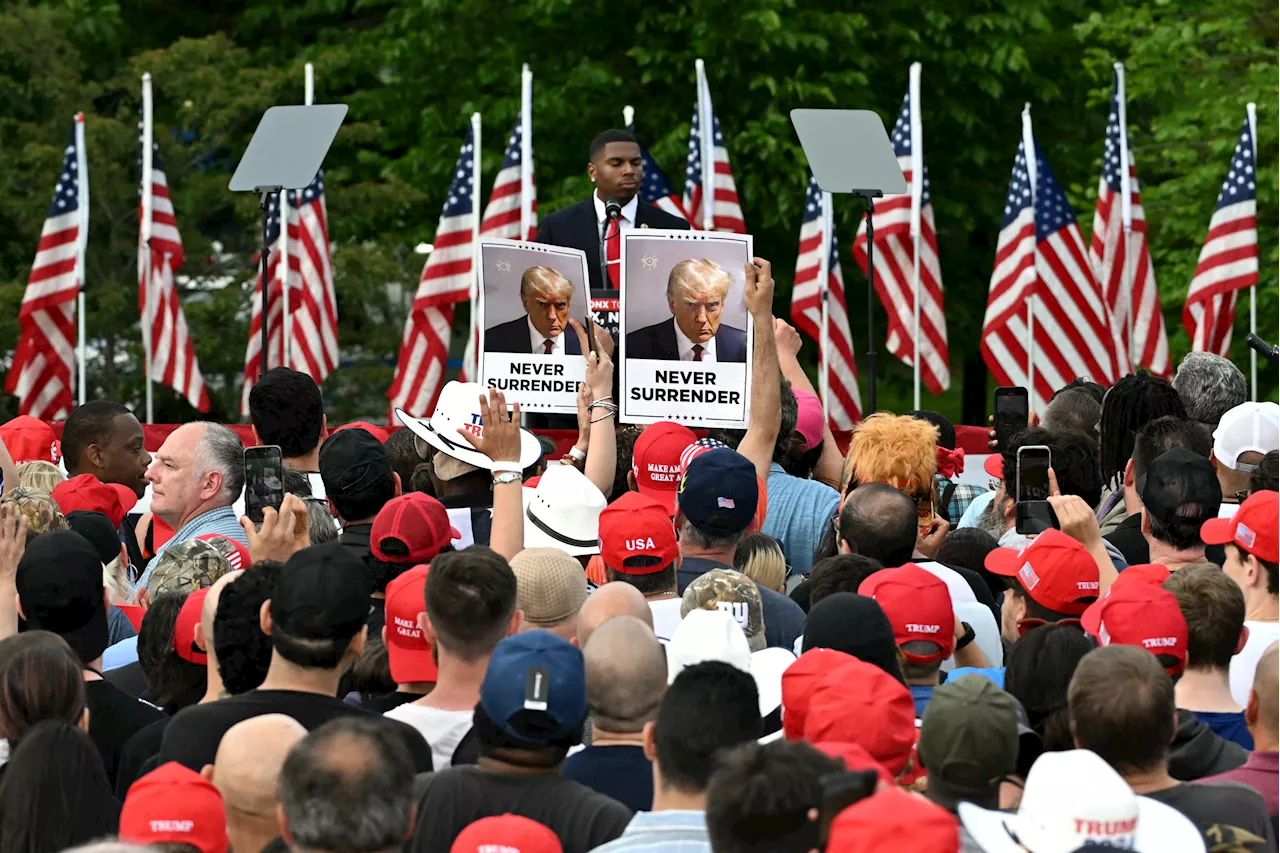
x: 1041, y: 259
x: 726, y: 212
x: 446, y: 279
x: 656, y: 190
x: 313, y: 303
x: 895, y: 270
x: 1108, y: 248
x: 1229, y: 259
x: 45, y: 357
x: 502, y: 217
x: 844, y: 403
x: 173, y: 357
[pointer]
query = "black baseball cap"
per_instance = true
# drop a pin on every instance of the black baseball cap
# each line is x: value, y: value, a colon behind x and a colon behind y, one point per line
x: 98, y: 529
x: 322, y: 593
x: 59, y: 583
x: 853, y: 624
x: 1180, y: 484
x: 353, y: 462
x: 718, y: 492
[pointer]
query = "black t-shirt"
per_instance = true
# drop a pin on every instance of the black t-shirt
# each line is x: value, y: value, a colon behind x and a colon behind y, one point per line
x: 355, y: 539
x: 620, y: 771
x: 144, y: 744
x: 114, y: 717
x: 383, y: 704
x: 1223, y: 811
x: 131, y: 679
x: 456, y: 797
x: 193, y: 736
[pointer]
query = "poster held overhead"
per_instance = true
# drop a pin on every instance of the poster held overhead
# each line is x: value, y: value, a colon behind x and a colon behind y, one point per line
x: 686, y: 342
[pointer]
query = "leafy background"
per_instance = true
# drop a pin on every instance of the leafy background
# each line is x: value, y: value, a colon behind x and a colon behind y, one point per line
x: 412, y: 73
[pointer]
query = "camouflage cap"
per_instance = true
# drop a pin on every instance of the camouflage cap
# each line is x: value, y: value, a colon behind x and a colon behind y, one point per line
x: 734, y: 593
x: 186, y: 567
x: 40, y: 509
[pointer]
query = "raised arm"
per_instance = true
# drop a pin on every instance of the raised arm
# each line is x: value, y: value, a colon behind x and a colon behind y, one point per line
x: 500, y: 441
x: 830, y: 467
x: 764, y: 422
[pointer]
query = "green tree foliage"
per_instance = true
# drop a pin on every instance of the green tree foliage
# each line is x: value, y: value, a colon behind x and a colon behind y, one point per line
x: 412, y: 73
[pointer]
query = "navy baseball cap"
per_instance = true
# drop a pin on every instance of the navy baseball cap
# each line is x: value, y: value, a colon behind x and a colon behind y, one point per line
x: 718, y: 492
x: 535, y: 688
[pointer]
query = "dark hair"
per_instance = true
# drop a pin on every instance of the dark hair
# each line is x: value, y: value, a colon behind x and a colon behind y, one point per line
x: 1122, y: 708
x: 650, y: 584
x: 710, y: 707
x: 1075, y: 408
x: 348, y: 786
x: 367, y: 502
x: 1213, y: 607
x: 1132, y: 402
x: 309, y: 653
x: 404, y: 457
x: 1075, y: 461
x: 295, y: 482
x: 968, y: 548
x: 624, y: 438
x: 41, y: 678
x: 731, y: 438
x: 789, y: 410
x: 175, y: 683
x: 604, y: 137
x: 759, y: 798
x: 1093, y: 389
x: 54, y: 793
x: 1267, y: 566
x: 841, y: 573
x: 384, y: 572
x: 1036, y: 610
x: 1161, y: 435
x: 89, y: 424
x: 285, y: 408
x: 1266, y: 477
x: 494, y: 741
x: 946, y: 431
x: 879, y: 522
x: 370, y: 675
x: 800, y: 462
x: 470, y: 598
x: 1038, y: 669
x: 242, y: 650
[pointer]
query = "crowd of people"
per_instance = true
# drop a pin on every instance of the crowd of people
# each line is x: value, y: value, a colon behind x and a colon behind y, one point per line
x: 444, y: 642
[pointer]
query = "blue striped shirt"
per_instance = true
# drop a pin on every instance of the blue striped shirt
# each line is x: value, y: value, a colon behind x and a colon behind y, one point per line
x: 221, y: 520
x: 675, y: 831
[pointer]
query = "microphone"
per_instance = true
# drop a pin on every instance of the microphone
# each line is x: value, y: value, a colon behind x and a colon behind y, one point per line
x: 612, y: 209
x: 1270, y: 353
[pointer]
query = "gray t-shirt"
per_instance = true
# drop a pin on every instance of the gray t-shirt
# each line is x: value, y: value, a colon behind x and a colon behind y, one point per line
x: 1223, y: 811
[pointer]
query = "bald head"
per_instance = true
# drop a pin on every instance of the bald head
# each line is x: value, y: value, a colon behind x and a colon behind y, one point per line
x: 250, y: 755
x: 626, y: 675
x: 1266, y: 686
x: 612, y: 599
x: 879, y: 522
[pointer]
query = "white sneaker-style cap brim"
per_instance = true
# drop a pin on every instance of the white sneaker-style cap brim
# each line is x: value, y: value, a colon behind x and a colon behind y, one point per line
x: 452, y: 444
x: 1161, y: 829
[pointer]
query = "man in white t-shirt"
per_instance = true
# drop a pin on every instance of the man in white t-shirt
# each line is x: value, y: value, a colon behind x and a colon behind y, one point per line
x: 638, y: 546
x: 1252, y: 544
x: 470, y: 607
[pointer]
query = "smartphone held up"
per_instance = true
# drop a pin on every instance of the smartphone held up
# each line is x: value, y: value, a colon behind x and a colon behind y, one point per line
x: 263, y: 480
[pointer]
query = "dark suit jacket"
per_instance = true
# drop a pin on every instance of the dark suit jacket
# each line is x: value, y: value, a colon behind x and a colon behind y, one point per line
x: 577, y: 228
x: 514, y: 337
x: 659, y: 341
x: 1128, y: 539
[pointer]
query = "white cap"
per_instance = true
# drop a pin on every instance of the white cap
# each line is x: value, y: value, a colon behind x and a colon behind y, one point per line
x: 1073, y: 798
x: 705, y: 635
x: 458, y: 409
x: 563, y: 512
x: 1249, y: 427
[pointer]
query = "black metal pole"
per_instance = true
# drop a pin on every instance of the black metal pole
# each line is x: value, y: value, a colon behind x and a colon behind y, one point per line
x: 871, y: 305
x: 266, y: 250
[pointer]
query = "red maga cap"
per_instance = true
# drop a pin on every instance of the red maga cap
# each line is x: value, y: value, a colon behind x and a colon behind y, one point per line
x: 1139, y: 614
x: 655, y: 461
x: 411, y: 529
x: 87, y: 492
x: 506, y: 833
x: 407, y: 649
x: 637, y: 526
x: 918, y: 605
x: 29, y: 440
x: 1054, y: 570
x: 174, y: 804
x: 861, y: 703
x: 184, y: 630
x: 798, y: 682
x: 1253, y: 528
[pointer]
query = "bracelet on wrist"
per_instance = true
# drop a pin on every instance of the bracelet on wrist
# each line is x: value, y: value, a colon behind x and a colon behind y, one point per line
x: 504, y: 477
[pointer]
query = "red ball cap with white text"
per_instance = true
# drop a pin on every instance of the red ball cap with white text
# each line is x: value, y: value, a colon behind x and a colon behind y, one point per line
x: 1253, y: 528
x: 1055, y: 571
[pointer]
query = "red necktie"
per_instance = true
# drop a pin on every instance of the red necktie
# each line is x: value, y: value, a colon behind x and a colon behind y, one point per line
x: 547, y: 346
x: 697, y: 352
x: 613, y: 252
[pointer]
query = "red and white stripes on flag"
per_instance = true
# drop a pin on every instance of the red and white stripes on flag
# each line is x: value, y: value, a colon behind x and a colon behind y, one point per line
x: 277, y: 267
x: 1229, y: 258
x: 1118, y: 251
x: 40, y: 376
x: 160, y: 254
x: 1046, y: 322
x: 820, y: 255
x: 446, y: 280
x: 708, y: 166
x: 899, y: 219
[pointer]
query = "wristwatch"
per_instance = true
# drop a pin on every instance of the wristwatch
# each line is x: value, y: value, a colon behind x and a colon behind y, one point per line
x: 967, y: 637
x: 504, y: 477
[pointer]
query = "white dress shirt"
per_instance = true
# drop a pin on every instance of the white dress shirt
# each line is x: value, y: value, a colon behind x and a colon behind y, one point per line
x: 537, y: 341
x: 628, y: 220
x: 685, y: 346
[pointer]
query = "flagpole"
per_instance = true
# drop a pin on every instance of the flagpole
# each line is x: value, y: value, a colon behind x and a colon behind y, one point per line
x: 1029, y: 154
x: 1252, y: 110
x: 917, y: 202
x: 526, y: 152
x: 144, y: 247
x: 82, y: 175
x: 707, y: 143
x: 474, y: 288
x: 1126, y: 217
x: 824, y: 291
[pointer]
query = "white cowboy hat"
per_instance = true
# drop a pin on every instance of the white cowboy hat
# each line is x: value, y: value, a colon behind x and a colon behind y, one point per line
x: 456, y: 410
x: 563, y: 512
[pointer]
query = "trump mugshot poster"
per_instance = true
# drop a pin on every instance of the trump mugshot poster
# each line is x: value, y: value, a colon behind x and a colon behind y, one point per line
x: 528, y: 292
x: 685, y: 334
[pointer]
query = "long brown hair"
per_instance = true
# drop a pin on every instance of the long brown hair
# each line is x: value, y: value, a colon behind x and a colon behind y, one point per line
x: 40, y: 679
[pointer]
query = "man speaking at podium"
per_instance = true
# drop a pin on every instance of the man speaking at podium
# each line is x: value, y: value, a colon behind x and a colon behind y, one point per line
x: 616, y: 168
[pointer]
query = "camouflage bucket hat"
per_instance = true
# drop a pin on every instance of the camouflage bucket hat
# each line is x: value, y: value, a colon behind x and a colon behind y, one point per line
x: 734, y: 593
x: 186, y: 567
x: 41, y: 511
